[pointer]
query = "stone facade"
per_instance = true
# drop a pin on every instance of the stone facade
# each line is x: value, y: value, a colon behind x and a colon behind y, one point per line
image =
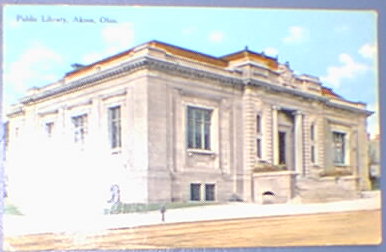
x: 194, y: 127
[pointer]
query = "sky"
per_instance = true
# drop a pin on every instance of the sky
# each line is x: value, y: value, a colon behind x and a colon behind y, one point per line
x: 339, y: 47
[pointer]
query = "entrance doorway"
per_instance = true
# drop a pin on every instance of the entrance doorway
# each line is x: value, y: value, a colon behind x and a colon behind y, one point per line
x: 285, y: 147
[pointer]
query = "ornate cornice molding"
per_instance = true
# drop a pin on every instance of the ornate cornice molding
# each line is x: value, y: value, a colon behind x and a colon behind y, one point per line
x: 92, y: 79
x: 298, y: 93
x: 128, y: 67
x: 162, y: 65
x: 189, y: 71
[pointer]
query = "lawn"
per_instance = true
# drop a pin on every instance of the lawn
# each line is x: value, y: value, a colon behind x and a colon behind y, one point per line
x: 11, y: 209
x: 119, y: 208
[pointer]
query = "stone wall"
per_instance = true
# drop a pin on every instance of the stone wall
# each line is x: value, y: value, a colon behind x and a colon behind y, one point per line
x: 273, y: 187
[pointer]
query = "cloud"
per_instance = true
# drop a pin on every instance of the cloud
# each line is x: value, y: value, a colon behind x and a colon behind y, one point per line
x: 348, y: 69
x: 297, y: 35
x: 216, y: 36
x: 271, y: 51
x: 116, y: 37
x: 368, y: 51
x: 189, y: 30
x: 341, y: 28
x: 93, y: 57
x: 35, y: 66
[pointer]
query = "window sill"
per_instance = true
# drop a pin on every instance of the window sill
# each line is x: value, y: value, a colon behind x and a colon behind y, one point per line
x: 192, y: 152
x: 342, y: 166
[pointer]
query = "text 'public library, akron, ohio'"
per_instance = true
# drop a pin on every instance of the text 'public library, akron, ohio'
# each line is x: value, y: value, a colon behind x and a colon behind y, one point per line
x: 179, y: 125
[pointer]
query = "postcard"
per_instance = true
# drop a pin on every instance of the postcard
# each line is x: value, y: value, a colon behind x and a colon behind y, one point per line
x: 174, y: 127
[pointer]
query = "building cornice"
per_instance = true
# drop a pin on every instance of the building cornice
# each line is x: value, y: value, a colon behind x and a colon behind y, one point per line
x: 91, y: 79
x: 281, y: 89
x: 16, y: 110
x: 323, y: 99
x: 163, y: 65
x: 128, y: 67
x: 352, y: 109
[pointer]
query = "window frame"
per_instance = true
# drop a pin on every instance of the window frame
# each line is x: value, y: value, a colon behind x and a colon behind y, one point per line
x: 211, y: 197
x: 258, y: 148
x: 202, y: 192
x: 80, y: 129
x: 313, y: 156
x: 313, y: 145
x: 114, y: 126
x: 259, y: 135
x: 195, y: 191
x: 258, y: 124
x: 312, y: 132
x: 49, y: 128
x: 199, y: 121
x: 342, y: 160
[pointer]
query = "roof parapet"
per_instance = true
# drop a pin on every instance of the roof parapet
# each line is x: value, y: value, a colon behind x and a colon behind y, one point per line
x: 309, y: 78
x: 261, y: 59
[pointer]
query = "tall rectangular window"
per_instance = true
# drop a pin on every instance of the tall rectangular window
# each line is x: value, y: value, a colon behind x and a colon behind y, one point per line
x: 49, y: 128
x: 312, y: 143
x: 195, y: 192
x: 258, y: 147
x: 312, y: 132
x: 198, y: 128
x: 114, y: 121
x: 338, y: 139
x: 80, y: 128
x: 312, y: 153
x: 258, y: 136
x: 258, y: 124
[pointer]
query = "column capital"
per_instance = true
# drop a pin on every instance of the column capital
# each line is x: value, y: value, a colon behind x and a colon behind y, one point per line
x: 298, y: 112
x: 275, y: 107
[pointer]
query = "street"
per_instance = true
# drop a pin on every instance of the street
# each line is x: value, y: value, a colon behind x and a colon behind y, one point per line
x: 338, y: 228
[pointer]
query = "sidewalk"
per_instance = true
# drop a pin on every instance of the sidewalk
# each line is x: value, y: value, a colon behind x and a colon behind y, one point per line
x: 19, y: 225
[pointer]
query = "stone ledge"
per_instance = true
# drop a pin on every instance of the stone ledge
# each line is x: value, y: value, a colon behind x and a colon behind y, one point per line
x: 273, y: 173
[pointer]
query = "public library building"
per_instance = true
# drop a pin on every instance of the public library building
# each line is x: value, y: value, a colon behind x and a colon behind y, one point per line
x: 179, y: 125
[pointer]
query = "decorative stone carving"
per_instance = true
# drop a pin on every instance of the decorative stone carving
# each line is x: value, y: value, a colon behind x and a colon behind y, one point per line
x: 286, y: 77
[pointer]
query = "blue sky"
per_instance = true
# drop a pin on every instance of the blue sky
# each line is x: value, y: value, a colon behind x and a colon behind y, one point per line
x: 339, y: 47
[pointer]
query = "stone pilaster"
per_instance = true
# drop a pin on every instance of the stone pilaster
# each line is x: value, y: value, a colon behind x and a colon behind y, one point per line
x: 363, y: 161
x: 299, y: 168
x: 94, y: 123
x: 62, y: 121
x: 275, y: 135
x: 249, y: 115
